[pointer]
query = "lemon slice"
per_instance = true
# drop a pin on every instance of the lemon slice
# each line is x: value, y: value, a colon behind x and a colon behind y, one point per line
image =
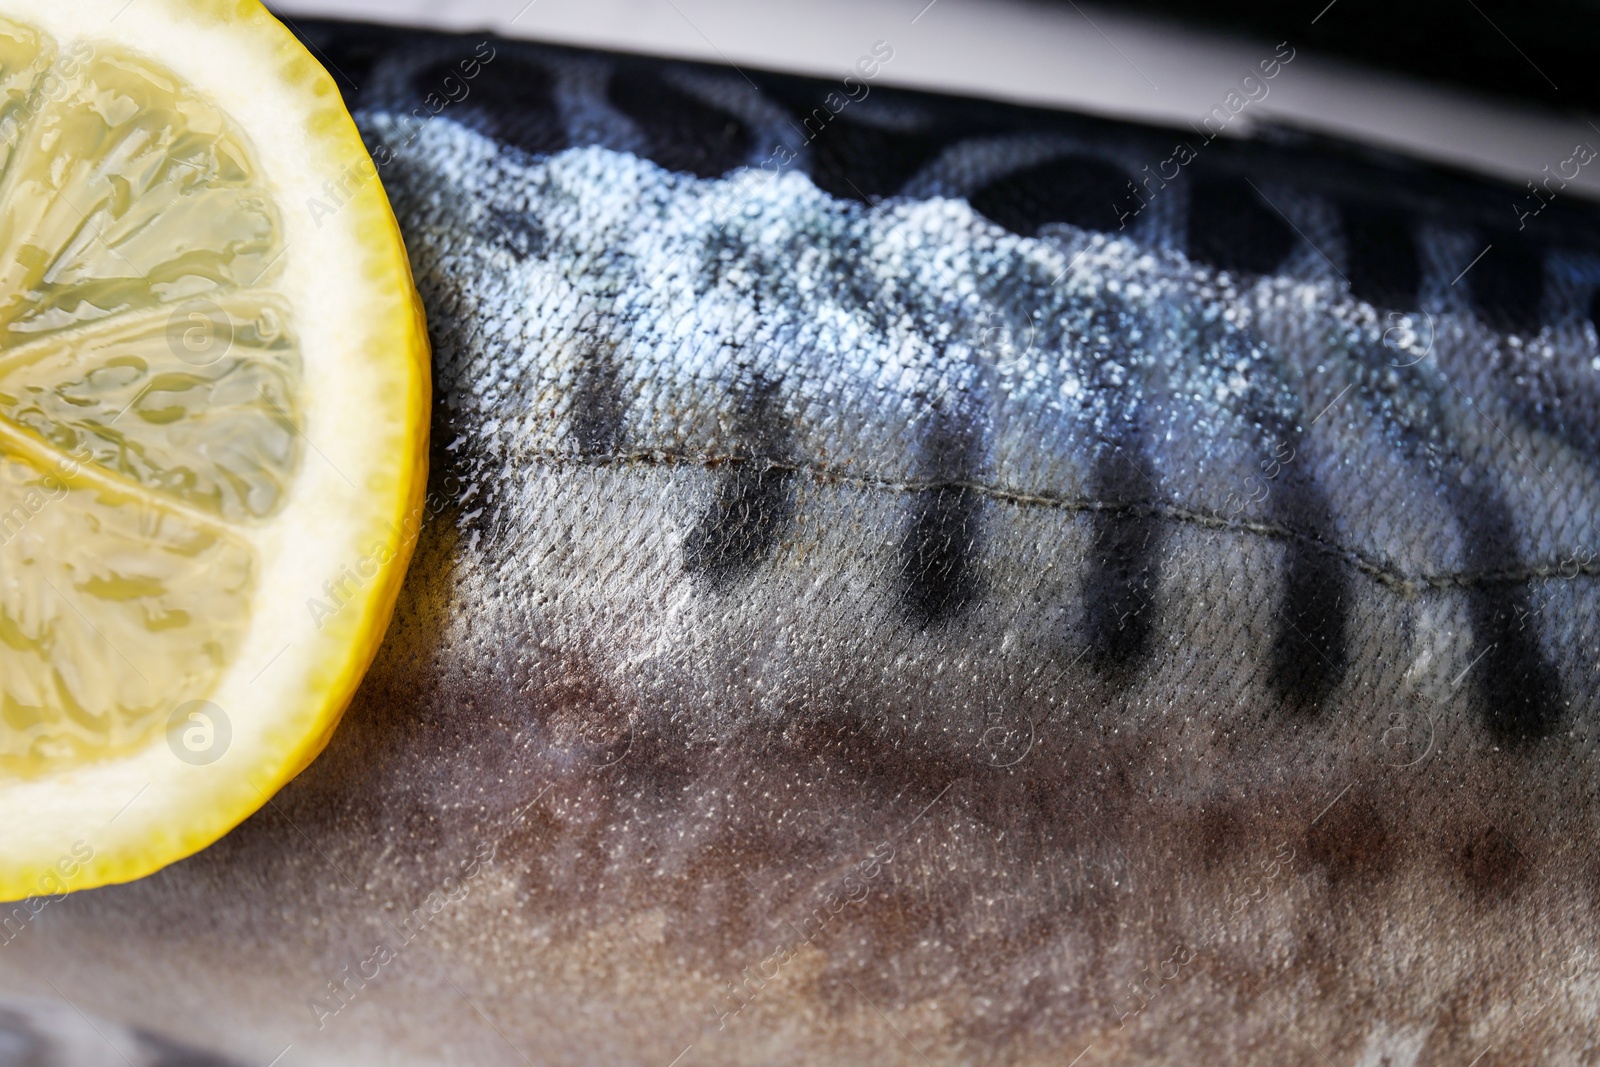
x: 213, y: 396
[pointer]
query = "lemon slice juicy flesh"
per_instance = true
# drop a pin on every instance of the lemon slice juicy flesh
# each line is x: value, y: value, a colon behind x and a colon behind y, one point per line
x: 213, y: 397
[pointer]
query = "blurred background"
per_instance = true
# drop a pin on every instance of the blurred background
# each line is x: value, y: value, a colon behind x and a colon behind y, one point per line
x: 1500, y: 88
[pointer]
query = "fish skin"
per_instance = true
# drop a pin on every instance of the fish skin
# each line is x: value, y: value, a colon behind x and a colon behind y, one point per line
x: 850, y: 630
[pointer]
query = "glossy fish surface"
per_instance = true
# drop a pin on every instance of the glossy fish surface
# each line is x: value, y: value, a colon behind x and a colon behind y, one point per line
x: 914, y: 580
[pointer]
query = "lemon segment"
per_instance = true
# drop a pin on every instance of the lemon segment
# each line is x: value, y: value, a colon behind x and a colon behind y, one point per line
x: 213, y: 398
x: 111, y: 610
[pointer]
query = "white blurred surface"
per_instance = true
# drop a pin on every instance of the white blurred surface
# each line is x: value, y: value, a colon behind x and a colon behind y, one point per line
x: 1063, y: 54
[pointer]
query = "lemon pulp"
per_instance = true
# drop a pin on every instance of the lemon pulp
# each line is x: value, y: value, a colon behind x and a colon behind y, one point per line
x: 147, y: 396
